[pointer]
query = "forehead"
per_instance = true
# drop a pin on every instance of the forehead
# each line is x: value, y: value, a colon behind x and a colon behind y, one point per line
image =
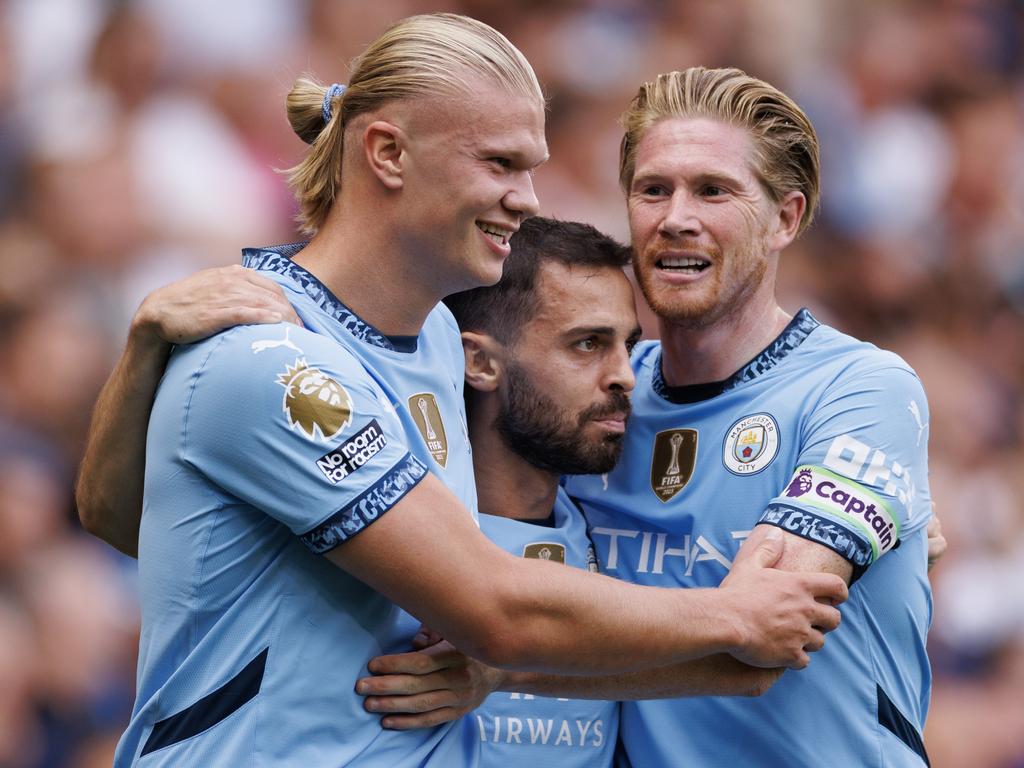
x: 489, y: 119
x: 695, y: 144
x: 582, y: 296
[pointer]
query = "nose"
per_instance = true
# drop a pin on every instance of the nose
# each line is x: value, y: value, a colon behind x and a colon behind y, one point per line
x: 680, y: 217
x: 521, y: 198
x: 619, y: 374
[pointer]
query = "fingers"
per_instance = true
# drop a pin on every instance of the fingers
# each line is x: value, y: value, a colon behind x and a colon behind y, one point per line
x: 414, y: 662
x: 801, y: 662
x: 425, y: 638
x: 412, y: 704
x: 827, y: 586
x: 937, y: 543
x: 398, y: 687
x: 826, y: 618
x: 425, y: 720
x: 763, y: 550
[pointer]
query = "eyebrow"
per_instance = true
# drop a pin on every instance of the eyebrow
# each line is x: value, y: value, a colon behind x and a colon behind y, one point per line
x: 598, y: 330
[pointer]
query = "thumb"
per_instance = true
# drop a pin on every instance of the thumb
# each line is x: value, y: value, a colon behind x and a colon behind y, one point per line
x: 766, y: 552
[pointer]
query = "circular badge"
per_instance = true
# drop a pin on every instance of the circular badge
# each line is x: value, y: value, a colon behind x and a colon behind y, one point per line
x: 751, y: 444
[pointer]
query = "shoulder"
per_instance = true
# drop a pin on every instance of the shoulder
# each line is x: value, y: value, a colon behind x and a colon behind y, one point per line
x: 244, y: 374
x: 645, y: 354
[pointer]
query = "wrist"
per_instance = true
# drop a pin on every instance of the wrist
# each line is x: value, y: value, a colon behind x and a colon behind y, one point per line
x: 144, y: 339
x: 723, y: 615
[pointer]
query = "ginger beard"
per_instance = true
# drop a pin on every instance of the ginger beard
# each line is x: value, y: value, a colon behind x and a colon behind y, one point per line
x: 552, y: 439
x: 725, y: 290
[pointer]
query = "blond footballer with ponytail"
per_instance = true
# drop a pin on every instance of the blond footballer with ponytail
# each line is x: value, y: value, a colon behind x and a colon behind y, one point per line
x: 420, y: 56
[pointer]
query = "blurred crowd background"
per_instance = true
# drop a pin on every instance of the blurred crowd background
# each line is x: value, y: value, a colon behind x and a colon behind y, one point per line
x: 138, y: 142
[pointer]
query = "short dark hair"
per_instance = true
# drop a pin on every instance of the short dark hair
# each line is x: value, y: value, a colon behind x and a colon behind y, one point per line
x: 501, y: 310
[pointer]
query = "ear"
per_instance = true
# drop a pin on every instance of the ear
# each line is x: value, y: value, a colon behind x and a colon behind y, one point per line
x: 384, y: 146
x: 791, y: 212
x: 485, y: 361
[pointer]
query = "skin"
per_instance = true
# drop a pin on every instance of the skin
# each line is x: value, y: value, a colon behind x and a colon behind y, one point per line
x: 390, y: 256
x: 695, y: 195
x: 575, y: 350
x: 696, y: 192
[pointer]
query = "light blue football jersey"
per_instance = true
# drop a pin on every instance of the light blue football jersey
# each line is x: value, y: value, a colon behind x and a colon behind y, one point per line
x: 268, y: 446
x: 533, y: 731
x: 826, y: 437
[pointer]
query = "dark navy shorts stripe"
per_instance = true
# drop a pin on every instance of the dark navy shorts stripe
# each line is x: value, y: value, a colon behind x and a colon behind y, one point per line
x: 210, y: 709
x: 890, y: 717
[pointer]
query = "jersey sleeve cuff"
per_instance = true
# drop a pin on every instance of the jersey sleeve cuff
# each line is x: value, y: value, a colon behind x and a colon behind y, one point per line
x: 368, y: 507
x: 822, y: 530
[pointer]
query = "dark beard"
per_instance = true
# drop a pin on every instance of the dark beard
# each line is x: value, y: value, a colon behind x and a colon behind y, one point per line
x: 547, y: 437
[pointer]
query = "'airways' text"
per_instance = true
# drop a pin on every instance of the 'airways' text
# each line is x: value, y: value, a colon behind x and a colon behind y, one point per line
x: 537, y: 730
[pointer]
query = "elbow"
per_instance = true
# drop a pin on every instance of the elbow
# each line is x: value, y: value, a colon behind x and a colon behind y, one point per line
x: 95, y: 519
x: 760, y: 683
x: 88, y: 515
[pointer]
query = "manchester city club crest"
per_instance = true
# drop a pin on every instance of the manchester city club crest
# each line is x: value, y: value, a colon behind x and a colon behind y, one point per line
x: 424, y: 410
x: 674, y: 455
x: 751, y: 444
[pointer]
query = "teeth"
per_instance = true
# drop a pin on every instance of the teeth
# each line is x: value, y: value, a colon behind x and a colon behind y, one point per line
x: 684, y: 263
x: 497, y: 234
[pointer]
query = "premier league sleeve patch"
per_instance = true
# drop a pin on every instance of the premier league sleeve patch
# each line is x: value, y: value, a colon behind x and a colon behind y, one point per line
x: 863, y: 514
x: 314, y: 403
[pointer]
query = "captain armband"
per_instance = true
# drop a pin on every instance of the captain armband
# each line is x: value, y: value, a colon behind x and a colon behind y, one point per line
x: 831, y: 510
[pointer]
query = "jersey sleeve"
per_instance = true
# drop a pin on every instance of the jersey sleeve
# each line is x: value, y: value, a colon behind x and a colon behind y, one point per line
x: 861, y: 481
x: 298, y: 430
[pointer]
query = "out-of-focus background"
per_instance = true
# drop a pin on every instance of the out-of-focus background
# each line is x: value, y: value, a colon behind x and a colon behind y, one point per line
x: 138, y: 142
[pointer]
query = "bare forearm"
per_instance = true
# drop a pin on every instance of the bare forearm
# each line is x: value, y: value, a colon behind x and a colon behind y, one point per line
x: 110, y: 481
x: 719, y: 675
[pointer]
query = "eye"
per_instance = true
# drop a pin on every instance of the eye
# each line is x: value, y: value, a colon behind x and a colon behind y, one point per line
x: 712, y: 190
x: 501, y: 162
x: 588, y: 344
x: 653, y: 190
x: 631, y: 345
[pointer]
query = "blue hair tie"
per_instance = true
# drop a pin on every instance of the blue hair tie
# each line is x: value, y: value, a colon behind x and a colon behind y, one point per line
x: 335, y: 90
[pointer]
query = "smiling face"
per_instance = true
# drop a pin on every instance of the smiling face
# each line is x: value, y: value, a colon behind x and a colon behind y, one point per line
x: 469, y: 183
x: 564, y: 396
x: 706, y: 236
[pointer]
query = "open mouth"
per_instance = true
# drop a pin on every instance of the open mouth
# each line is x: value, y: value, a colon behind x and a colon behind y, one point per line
x: 498, y: 234
x: 688, y: 265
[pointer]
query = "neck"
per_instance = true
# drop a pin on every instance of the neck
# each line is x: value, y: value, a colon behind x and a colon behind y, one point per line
x: 507, y: 485
x: 698, y: 355
x: 355, y: 255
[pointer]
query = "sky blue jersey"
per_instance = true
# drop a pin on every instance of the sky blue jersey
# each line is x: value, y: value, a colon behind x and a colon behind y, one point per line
x: 533, y: 731
x: 826, y: 437
x: 269, y: 446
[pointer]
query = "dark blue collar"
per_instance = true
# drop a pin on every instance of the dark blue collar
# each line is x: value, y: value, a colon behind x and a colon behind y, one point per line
x: 792, y: 336
x: 278, y: 259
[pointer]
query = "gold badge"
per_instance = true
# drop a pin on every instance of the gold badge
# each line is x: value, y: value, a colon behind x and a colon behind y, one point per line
x: 544, y: 550
x: 675, y: 452
x: 423, y: 407
x: 314, y: 402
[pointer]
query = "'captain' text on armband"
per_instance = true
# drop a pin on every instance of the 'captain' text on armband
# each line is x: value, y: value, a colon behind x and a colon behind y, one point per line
x: 846, y: 516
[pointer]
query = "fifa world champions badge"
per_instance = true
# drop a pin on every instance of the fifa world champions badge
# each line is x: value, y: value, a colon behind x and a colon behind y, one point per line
x: 427, y: 417
x: 672, y: 461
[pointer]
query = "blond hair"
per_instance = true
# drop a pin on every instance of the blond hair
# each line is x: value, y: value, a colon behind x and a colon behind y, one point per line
x: 785, y: 144
x: 426, y: 55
